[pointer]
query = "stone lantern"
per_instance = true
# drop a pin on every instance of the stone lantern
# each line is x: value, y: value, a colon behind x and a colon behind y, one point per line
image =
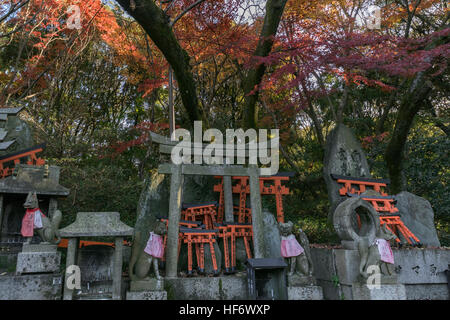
x: 96, y: 224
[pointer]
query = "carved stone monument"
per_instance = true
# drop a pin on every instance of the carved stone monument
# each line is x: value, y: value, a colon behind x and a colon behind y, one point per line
x: 343, y: 156
x: 418, y: 215
x: 366, y: 249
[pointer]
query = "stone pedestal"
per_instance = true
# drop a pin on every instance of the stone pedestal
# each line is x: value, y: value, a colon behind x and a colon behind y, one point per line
x: 300, y: 280
x: 38, y: 258
x: 362, y: 291
x: 150, y: 289
x: 31, y: 287
x: 233, y: 287
x: 305, y: 293
x: 303, y: 288
x: 146, y: 295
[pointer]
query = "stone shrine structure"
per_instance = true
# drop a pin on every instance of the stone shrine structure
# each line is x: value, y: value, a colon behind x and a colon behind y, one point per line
x: 97, y: 224
x: 44, y: 180
x: 343, y: 156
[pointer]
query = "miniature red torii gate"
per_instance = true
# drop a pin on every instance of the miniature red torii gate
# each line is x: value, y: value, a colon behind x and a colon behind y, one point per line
x: 16, y: 158
x: 205, y: 211
x: 243, y: 189
x: 383, y: 204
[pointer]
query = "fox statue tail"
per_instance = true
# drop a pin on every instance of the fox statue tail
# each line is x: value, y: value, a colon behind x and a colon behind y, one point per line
x: 56, y: 221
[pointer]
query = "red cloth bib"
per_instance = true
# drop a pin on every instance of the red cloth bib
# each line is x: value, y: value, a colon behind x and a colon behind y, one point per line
x: 384, y: 248
x: 155, y: 246
x: 290, y: 247
x: 28, y: 222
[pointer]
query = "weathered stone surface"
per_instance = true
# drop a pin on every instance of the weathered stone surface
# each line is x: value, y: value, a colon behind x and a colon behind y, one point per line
x: 209, y: 269
x: 154, y: 203
x: 272, y: 238
x: 342, y: 265
x: 334, y: 291
x: 199, y: 189
x: 427, y: 292
x: 347, y: 265
x: 96, y: 263
x: 418, y: 266
x: 8, y: 261
x: 296, y: 280
x: 305, y: 293
x: 32, y: 179
x: 324, y: 263
x: 343, y: 156
x: 208, y: 288
x: 41, y: 247
x: 146, y: 295
x: 19, y: 135
x: 241, y: 254
x: 39, y: 258
x: 418, y: 216
x: 31, y: 287
x: 151, y: 284
x: 346, y: 225
x: 260, y: 249
x: 385, y: 292
x: 420, y: 270
x: 95, y: 224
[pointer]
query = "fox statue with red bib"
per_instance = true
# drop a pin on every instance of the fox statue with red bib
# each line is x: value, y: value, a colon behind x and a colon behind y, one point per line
x: 35, y: 220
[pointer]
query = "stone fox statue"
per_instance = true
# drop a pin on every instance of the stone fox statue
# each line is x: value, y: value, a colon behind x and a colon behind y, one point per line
x: 301, y: 263
x: 34, y: 219
x: 142, y: 260
x: 370, y: 254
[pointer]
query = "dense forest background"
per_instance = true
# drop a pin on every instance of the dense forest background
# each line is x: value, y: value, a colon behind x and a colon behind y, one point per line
x: 93, y: 76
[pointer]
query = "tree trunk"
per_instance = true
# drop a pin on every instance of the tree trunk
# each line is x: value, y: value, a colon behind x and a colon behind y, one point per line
x: 416, y: 98
x: 157, y: 25
x: 274, y: 11
x: 410, y: 105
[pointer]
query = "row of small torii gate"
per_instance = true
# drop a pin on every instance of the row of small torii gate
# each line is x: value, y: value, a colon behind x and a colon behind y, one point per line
x: 203, y: 223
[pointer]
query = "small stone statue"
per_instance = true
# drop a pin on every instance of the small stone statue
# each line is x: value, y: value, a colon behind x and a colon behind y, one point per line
x: 141, y: 262
x: 378, y: 253
x: 357, y: 163
x: 342, y: 154
x: 296, y: 250
x: 34, y: 219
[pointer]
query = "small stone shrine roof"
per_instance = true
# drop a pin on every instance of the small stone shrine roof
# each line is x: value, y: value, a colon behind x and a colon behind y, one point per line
x: 97, y: 224
x: 27, y: 178
x: 12, y: 111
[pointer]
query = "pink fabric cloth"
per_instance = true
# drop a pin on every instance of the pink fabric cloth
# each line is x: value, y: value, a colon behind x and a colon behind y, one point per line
x: 290, y: 247
x: 155, y: 246
x: 32, y: 220
x: 385, y: 251
x: 27, y: 224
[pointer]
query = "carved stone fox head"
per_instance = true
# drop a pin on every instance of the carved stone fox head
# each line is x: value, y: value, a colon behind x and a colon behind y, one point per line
x: 285, y: 228
x: 385, y: 233
x: 160, y: 228
x: 32, y: 201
